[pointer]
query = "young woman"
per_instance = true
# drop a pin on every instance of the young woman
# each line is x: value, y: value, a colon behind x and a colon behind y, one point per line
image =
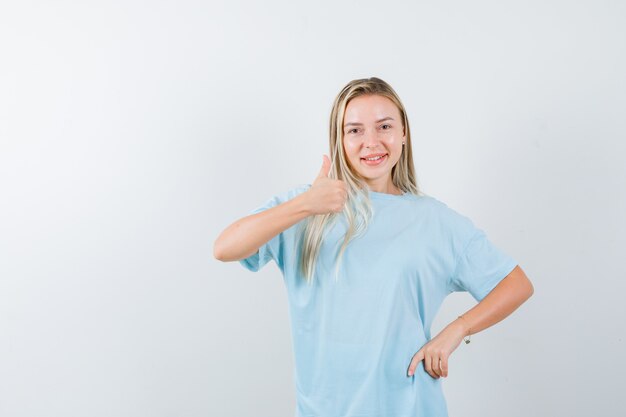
x: 367, y: 260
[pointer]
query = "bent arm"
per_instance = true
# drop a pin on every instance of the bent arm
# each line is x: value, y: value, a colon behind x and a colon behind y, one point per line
x: 505, y: 298
x: 245, y: 236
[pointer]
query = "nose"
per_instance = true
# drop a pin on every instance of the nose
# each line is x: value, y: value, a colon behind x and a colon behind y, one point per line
x: 371, y: 139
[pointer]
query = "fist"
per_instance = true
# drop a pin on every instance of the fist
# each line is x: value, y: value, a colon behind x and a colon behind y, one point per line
x: 327, y: 195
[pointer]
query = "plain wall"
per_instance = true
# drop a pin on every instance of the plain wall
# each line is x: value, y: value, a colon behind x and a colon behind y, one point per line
x: 133, y: 132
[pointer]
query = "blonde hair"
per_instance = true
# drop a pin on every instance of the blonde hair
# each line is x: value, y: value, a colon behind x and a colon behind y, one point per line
x: 358, y: 209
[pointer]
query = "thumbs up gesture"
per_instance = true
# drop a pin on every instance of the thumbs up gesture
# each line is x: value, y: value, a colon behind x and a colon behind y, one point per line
x: 326, y: 195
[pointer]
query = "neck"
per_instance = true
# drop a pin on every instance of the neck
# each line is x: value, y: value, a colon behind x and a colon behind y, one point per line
x: 386, y: 188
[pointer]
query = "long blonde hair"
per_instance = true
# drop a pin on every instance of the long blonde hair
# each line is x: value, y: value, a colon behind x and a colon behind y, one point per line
x: 358, y: 209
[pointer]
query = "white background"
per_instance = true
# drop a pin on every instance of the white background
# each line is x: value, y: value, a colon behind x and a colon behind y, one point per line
x: 133, y: 132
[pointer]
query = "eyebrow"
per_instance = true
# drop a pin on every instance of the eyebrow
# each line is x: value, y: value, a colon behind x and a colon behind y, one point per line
x: 361, y: 124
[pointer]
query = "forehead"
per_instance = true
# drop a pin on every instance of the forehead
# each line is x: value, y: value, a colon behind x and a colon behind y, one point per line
x: 369, y: 108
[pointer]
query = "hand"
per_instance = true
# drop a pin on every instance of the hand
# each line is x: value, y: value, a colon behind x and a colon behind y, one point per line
x: 436, y: 352
x: 326, y: 195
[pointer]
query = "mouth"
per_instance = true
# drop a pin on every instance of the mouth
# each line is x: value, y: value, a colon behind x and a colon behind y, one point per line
x: 374, y: 161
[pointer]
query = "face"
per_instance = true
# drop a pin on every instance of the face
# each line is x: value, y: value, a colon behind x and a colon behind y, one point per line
x: 372, y: 127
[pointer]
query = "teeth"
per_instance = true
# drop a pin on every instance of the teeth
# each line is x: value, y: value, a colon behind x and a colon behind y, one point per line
x: 374, y: 159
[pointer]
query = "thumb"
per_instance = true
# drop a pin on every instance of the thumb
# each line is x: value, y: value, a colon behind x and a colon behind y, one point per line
x: 325, y: 167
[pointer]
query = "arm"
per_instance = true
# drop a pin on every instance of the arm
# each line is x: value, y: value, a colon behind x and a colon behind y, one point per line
x: 244, y: 237
x: 505, y: 298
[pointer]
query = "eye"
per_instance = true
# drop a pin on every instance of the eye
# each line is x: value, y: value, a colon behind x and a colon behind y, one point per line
x: 386, y: 125
x: 350, y: 131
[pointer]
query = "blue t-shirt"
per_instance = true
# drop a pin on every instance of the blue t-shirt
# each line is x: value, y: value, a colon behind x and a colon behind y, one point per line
x: 353, y: 339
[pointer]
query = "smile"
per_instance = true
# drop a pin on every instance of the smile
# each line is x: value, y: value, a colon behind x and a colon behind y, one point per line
x: 374, y: 161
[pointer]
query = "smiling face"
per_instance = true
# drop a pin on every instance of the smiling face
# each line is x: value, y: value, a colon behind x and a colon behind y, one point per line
x: 372, y: 127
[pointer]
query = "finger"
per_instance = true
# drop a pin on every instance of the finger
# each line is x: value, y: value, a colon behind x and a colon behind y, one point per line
x: 344, y: 190
x: 416, y: 359
x: 436, y: 366
x: 444, y: 366
x: 325, y: 167
x: 428, y: 364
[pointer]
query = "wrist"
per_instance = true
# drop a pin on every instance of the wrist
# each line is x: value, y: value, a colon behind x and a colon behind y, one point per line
x: 302, y: 202
x: 464, y: 328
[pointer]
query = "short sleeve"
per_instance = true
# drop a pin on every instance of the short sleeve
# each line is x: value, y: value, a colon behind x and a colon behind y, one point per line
x: 275, y: 247
x: 480, y: 265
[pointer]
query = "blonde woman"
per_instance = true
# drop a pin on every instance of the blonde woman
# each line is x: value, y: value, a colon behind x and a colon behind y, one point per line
x: 367, y: 260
